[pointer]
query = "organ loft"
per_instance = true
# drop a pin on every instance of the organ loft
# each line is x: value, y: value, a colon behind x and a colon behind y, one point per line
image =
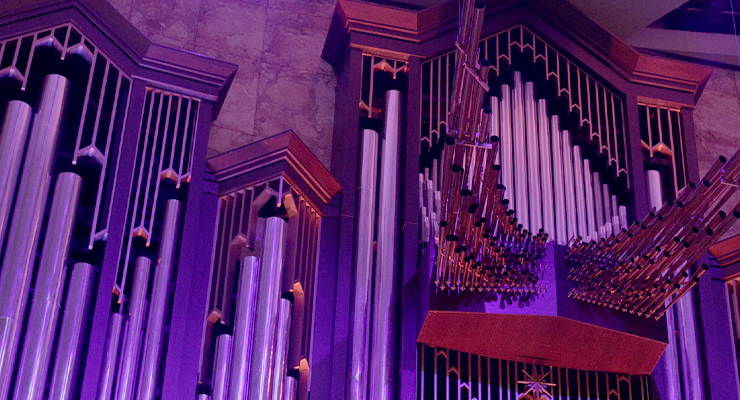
x: 369, y: 199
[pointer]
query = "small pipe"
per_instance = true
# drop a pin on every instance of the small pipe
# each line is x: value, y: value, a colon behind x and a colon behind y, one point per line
x: 107, y: 372
x: 282, y: 342
x: 221, y: 365
x: 12, y: 142
x: 244, y: 319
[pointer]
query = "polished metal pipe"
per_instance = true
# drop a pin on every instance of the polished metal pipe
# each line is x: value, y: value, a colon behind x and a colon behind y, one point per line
x: 291, y: 387
x: 598, y: 204
x: 520, y: 152
x: 107, y: 372
x: 655, y: 188
x: 616, y: 223
x: 623, y: 217
x: 25, y: 226
x: 607, y: 198
x: 268, y: 301
x: 364, y: 270
x: 506, y: 145
x: 12, y: 142
x: 561, y: 233
x: 588, y: 185
x: 533, y: 159
x: 244, y: 319
x: 132, y: 339
x: 548, y: 207
x: 385, y: 269
x: 571, y: 206
x: 282, y: 342
x: 204, y: 396
x: 47, y: 294
x: 149, y: 368
x: 221, y: 368
x: 71, y: 336
x: 580, y: 196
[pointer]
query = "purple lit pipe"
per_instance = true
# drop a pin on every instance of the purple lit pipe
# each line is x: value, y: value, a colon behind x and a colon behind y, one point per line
x: 25, y: 226
x: 282, y: 341
x: 107, y: 373
x: 588, y: 185
x: 506, y: 145
x: 47, y: 295
x: 520, y: 152
x: 244, y: 315
x: 76, y: 309
x: 571, y: 208
x: 546, y: 175
x: 221, y: 368
x: 561, y: 233
x: 12, y: 142
x: 580, y: 196
x: 533, y: 159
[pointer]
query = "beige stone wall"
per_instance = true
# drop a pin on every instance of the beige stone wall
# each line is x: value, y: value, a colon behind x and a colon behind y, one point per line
x: 282, y: 82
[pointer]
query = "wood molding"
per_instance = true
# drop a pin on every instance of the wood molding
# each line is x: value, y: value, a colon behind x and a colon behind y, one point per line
x: 283, y: 154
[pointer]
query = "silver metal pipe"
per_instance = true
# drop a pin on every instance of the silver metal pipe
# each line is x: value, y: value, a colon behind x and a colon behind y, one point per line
x: 588, y: 186
x: 571, y: 207
x: 561, y: 233
x: 244, y: 319
x: 615, y: 215
x: 686, y: 323
x: 607, y: 209
x: 583, y: 230
x: 655, y: 188
x: 364, y: 270
x: 520, y: 152
x: 291, y: 387
x: 282, y: 341
x: 47, y: 294
x: 149, y: 368
x: 25, y: 225
x: 204, y: 396
x: 71, y: 336
x: 623, y: 217
x: 548, y: 207
x: 268, y: 298
x: 506, y: 146
x: 598, y: 203
x: 107, y: 372
x: 12, y: 142
x: 533, y: 159
x: 385, y: 269
x: 132, y: 339
x: 221, y: 368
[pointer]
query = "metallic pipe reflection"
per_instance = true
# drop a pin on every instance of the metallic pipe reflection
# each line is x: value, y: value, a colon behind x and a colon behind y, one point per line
x: 47, y: 294
x: 561, y: 233
x: 546, y: 175
x: 150, y: 358
x: 291, y: 387
x: 533, y: 160
x: 221, y: 368
x: 244, y: 318
x: 520, y: 154
x: 15, y: 275
x: 282, y: 341
x: 12, y: 142
x: 76, y: 311
x: 268, y: 300
x: 107, y: 372
x: 571, y: 207
x: 132, y: 339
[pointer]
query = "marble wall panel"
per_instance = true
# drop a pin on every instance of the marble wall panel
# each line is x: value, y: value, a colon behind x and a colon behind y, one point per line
x: 236, y: 27
x: 717, y: 122
x: 294, y: 40
x: 168, y: 22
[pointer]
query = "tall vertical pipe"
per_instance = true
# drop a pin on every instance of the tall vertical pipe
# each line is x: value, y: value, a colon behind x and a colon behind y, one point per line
x: 616, y: 223
x: 76, y: 311
x: 282, y: 341
x: 15, y: 276
x: 506, y: 145
x: 291, y: 387
x: 548, y: 207
x: 533, y: 158
x: 670, y: 356
x: 520, y: 151
x: 588, y: 187
x: 107, y: 372
x: 135, y: 320
x: 244, y: 316
x: 47, y: 294
x: 571, y: 207
x: 12, y: 142
x: 268, y: 301
x: 149, y: 368
x: 598, y: 201
x: 580, y: 184
x: 561, y: 233
x: 495, y: 125
x: 381, y: 359
x: 364, y: 270
x: 221, y: 365
x: 607, y: 209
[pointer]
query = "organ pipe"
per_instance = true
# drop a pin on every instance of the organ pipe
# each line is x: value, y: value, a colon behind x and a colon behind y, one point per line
x: 282, y: 341
x: 291, y: 387
x: 47, y: 295
x: 221, y: 368
x: 268, y: 298
x: 385, y: 269
x: 561, y: 232
x: 580, y: 186
x: 152, y: 351
x: 134, y: 323
x: 107, y: 372
x: 507, y: 151
x: 12, y: 142
x: 76, y: 311
x: 244, y: 320
x: 363, y: 272
x: 571, y: 206
x: 588, y: 187
x: 545, y: 171
x: 520, y: 154
x: 25, y: 224
x: 533, y: 160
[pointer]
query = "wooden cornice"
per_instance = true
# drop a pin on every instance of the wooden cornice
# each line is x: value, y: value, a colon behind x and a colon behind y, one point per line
x: 202, y: 77
x: 726, y: 252
x: 283, y: 154
x: 413, y: 31
x: 541, y: 339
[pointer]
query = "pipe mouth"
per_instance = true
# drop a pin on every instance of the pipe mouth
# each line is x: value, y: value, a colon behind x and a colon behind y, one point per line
x: 480, y: 4
x: 487, y: 110
x: 495, y: 139
x: 722, y: 159
x: 736, y: 213
x: 449, y: 140
x: 496, y: 167
x: 485, y: 62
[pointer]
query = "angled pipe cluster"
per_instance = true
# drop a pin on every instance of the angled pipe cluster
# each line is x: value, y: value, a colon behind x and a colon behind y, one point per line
x: 645, y: 268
